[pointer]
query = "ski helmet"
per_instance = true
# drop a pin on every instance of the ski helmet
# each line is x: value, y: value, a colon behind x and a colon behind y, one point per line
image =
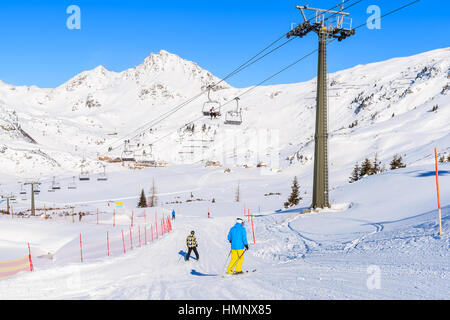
x: 239, y: 220
x: 192, y: 232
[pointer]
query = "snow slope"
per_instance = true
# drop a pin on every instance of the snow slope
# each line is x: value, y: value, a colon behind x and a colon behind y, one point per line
x: 388, y: 221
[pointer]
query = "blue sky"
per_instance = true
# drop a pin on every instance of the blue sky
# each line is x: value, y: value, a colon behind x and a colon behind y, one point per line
x: 38, y: 48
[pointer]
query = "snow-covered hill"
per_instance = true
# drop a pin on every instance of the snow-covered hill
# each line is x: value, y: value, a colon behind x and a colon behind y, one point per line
x: 383, y: 108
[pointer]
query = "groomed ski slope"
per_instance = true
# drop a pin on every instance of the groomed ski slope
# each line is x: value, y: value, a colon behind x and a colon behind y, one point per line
x: 388, y: 221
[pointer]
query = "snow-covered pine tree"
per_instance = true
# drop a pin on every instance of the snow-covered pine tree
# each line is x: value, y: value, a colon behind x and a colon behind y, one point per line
x: 355, y: 173
x: 366, y: 168
x: 376, y: 165
x: 397, y: 162
x: 294, y: 198
x: 142, y: 200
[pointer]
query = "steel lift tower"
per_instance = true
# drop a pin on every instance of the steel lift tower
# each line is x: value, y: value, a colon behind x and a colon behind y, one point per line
x: 328, y: 24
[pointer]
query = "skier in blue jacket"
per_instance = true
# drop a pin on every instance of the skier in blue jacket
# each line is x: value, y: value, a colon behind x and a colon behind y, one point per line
x: 238, y: 239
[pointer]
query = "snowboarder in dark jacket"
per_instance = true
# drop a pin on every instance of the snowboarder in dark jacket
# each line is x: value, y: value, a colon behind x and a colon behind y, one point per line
x: 192, y: 245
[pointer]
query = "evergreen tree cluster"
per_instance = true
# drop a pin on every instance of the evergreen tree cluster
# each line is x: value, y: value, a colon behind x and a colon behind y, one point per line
x: 443, y: 158
x: 153, y: 199
x: 367, y: 168
x: 397, y: 163
x: 294, y: 198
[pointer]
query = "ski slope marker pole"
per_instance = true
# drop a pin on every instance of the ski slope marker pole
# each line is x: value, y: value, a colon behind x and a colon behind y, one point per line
x: 29, y: 257
x: 114, y: 217
x: 156, y: 224
x: 151, y: 229
x: 107, y: 241
x: 97, y: 215
x: 145, y: 233
x: 438, y: 195
x: 123, y: 240
x: 253, y: 229
x: 131, y: 240
x: 81, y: 249
x: 139, y: 236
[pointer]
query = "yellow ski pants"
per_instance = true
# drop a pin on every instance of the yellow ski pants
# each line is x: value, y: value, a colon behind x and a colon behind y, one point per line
x: 237, y: 259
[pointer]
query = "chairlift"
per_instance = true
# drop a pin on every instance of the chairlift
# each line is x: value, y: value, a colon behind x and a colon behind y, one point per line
x: 84, y: 175
x: 127, y: 154
x: 72, y: 185
x: 22, y: 190
x: 146, y: 157
x: 55, y: 185
x: 211, y: 108
x: 102, y: 176
x: 234, y: 116
x: 37, y: 189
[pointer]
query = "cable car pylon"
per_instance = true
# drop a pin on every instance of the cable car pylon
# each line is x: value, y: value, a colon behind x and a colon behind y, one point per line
x: 334, y: 29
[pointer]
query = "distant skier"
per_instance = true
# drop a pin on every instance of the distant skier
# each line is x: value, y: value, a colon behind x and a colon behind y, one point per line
x: 192, y: 245
x: 238, y: 239
x: 173, y: 214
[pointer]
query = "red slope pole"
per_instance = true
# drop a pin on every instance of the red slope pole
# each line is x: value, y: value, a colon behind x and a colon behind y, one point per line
x: 29, y: 257
x: 123, y: 240
x: 156, y: 224
x: 438, y: 195
x: 81, y: 249
x: 145, y: 232
x: 131, y: 240
x: 253, y: 229
x: 139, y: 236
x: 151, y: 229
x: 107, y: 241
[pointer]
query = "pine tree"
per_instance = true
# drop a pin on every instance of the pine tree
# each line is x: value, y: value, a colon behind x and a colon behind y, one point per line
x: 238, y: 194
x: 448, y: 158
x: 142, y: 200
x: 153, y: 197
x: 442, y: 159
x: 397, y: 162
x: 366, y: 168
x: 356, y: 173
x: 376, y: 165
x: 294, y: 198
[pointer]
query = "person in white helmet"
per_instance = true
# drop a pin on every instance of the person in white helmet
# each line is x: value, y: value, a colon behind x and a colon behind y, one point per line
x: 237, y: 236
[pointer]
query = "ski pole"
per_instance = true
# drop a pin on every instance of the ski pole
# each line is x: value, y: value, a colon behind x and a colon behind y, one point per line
x: 226, y: 261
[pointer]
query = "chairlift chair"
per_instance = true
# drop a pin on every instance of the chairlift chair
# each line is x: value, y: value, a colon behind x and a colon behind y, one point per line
x: 22, y: 190
x: 211, y: 108
x: 72, y: 185
x: 84, y: 175
x: 127, y: 154
x: 55, y: 185
x: 146, y: 157
x: 234, y: 116
x: 102, y: 176
x: 37, y: 189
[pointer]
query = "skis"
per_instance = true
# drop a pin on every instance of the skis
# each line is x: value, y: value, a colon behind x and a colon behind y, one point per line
x: 246, y: 272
